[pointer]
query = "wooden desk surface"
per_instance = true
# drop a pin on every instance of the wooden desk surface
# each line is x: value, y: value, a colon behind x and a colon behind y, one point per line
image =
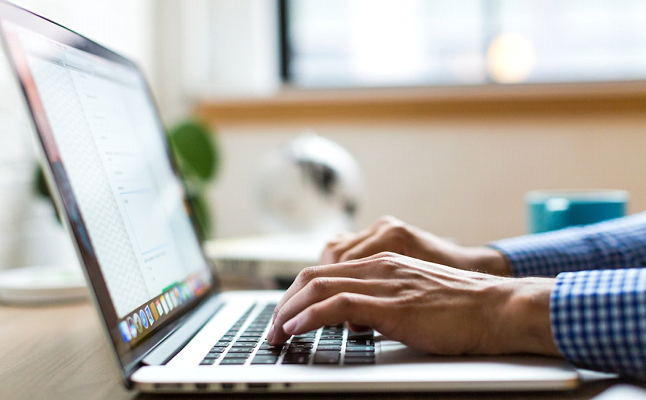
x: 59, y: 352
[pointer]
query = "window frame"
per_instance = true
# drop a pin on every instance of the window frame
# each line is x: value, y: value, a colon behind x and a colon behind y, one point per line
x: 302, y: 106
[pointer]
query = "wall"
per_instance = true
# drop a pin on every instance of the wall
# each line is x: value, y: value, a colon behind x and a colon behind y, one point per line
x: 213, y: 49
x: 463, y: 179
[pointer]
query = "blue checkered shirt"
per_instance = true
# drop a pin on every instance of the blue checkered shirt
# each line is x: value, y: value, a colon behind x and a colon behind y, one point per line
x: 598, y: 305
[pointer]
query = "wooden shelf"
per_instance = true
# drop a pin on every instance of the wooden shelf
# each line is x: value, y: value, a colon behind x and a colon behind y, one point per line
x: 357, y: 105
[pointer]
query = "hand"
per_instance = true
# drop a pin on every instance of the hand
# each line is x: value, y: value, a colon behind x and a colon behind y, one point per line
x: 430, y: 307
x: 391, y: 234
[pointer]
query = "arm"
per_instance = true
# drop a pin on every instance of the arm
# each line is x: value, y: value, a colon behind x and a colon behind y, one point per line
x: 619, y: 243
x: 595, y: 319
x: 599, y: 319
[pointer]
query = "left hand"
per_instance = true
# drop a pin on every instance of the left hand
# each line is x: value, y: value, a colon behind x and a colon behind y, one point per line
x: 431, y: 307
x: 393, y: 235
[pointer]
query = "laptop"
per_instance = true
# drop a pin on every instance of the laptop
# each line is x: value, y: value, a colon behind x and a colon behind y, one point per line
x: 170, y: 327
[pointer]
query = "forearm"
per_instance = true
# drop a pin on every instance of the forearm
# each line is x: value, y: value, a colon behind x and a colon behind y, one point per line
x: 484, y: 259
x: 613, y: 244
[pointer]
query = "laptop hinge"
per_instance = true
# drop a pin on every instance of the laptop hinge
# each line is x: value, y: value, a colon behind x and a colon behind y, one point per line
x: 175, y: 342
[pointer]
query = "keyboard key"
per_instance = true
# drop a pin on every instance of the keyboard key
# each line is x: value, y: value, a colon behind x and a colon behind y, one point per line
x: 233, y: 361
x: 361, y: 342
x: 301, y: 345
x: 243, y: 344
x: 329, y: 347
x: 213, y: 355
x: 264, y: 359
x: 332, y: 332
x: 262, y: 352
x: 252, y: 334
x: 236, y: 355
x: 223, y: 343
x: 241, y: 350
x: 298, y: 350
x: 217, y: 349
x: 326, y: 336
x: 267, y: 346
x: 359, y: 360
x: 327, y: 357
x: 258, y: 329
x: 309, y: 339
x: 247, y: 339
x: 355, y: 354
x: 360, y: 348
x: 296, y: 359
x: 332, y: 342
x: 208, y: 361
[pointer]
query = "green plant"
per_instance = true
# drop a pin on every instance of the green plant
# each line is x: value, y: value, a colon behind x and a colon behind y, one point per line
x: 198, y: 159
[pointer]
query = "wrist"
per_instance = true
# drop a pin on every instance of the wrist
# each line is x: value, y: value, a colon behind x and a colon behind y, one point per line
x: 523, y: 318
x: 488, y: 260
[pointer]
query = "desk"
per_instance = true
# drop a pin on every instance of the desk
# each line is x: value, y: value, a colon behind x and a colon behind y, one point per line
x: 59, y: 352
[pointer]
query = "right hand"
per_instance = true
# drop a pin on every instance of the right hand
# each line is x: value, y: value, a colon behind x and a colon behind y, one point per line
x: 430, y: 307
x: 389, y: 234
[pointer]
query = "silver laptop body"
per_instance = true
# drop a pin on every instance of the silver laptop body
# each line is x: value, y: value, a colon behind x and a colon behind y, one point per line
x: 107, y: 162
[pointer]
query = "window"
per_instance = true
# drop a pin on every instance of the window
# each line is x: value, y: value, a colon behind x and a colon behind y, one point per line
x: 380, y: 43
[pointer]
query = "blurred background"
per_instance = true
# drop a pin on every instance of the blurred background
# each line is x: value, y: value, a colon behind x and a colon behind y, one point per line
x: 453, y: 110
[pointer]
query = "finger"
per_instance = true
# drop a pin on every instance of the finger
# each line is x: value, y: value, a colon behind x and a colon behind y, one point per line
x: 370, y: 246
x: 355, y: 308
x: 364, y: 268
x: 335, y: 248
x: 342, y: 237
x: 345, y: 241
x: 320, y: 289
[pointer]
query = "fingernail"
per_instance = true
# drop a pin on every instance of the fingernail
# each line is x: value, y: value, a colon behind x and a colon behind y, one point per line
x: 290, y: 326
x: 270, y: 334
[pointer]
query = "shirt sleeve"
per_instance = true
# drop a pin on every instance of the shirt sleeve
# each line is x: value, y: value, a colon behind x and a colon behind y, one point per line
x: 619, y: 243
x: 598, y: 319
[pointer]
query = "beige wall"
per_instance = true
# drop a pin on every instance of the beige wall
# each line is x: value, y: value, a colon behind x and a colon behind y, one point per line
x: 463, y: 179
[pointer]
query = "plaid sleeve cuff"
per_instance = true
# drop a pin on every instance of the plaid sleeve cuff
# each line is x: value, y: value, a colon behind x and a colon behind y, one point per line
x: 620, y: 243
x: 599, y: 319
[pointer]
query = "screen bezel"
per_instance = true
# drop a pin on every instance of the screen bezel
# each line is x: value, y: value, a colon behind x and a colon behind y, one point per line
x: 128, y: 357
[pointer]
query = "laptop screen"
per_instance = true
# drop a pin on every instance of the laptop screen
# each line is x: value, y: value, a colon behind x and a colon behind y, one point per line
x: 105, y: 146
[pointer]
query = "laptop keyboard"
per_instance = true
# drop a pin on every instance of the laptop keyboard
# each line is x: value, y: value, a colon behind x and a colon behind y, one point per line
x: 330, y: 345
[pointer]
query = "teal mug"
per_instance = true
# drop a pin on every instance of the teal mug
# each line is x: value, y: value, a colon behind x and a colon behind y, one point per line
x: 552, y: 210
